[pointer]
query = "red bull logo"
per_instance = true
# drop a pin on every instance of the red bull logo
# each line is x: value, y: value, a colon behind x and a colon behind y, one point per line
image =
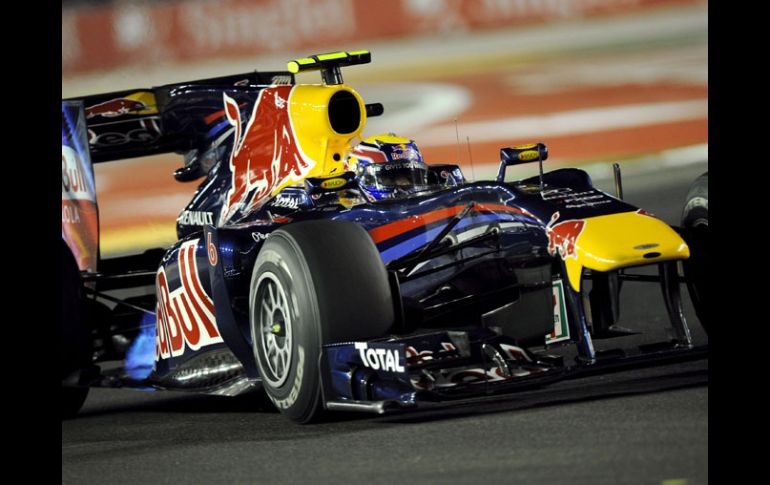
x: 562, y: 236
x: 115, y: 107
x: 185, y: 315
x: 404, y: 151
x: 265, y: 154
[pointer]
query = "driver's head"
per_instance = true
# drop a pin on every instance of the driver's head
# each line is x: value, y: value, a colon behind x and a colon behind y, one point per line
x: 388, y: 166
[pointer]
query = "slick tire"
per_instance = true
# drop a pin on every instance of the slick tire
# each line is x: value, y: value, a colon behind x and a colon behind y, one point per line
x: 75, y: 340
x: 695, y: 218
x: 313, y: 283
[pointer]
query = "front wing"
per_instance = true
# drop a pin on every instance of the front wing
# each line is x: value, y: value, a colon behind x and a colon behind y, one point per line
x: 385, y: 375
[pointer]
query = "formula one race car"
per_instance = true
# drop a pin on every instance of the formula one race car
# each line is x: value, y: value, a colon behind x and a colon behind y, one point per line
x: 347, y: 277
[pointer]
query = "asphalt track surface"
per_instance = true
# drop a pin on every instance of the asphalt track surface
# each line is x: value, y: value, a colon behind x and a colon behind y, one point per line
x: 638, y: 427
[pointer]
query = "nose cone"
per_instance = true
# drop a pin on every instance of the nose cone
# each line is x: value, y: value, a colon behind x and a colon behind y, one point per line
x: 628, y: 239
x: 622, y: 240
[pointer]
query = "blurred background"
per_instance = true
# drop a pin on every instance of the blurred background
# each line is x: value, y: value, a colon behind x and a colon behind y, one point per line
x: 598, y: 81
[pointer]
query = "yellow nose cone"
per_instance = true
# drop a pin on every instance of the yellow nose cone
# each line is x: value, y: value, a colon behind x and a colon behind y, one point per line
x: 622, y: 240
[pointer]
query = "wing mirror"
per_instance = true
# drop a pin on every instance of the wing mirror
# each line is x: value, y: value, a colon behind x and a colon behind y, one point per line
x: 522, y: 154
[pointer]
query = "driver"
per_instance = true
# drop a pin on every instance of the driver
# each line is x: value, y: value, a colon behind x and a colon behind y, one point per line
x: 388, y: 167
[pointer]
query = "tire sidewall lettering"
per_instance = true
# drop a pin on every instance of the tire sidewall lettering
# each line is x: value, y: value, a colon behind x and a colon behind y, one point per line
x: 301, y: 368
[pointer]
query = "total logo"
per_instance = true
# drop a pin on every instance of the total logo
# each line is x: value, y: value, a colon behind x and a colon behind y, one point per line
x: 385, y: 359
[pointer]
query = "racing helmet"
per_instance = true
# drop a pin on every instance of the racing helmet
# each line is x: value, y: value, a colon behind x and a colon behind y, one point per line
x: 388, y: 166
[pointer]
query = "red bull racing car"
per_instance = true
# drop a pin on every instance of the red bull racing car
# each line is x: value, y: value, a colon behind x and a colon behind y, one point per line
x: 342, y: 273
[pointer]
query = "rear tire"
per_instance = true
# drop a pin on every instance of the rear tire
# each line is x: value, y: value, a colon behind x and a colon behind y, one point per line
x: 695, y: 218
x: 75, y: 350
x: 313, y: 283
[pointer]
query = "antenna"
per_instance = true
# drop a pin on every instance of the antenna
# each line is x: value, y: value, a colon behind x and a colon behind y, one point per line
x: 540, y: 163
x: 457, y: 132
x: 618, y: 182
x: 473, y: 173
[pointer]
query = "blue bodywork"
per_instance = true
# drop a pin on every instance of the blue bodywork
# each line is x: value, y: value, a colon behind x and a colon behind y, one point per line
x: 399, y: 228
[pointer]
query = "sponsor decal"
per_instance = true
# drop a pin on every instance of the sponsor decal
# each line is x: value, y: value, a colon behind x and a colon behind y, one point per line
x: 333, y: 183
x: 398, y: 166
x: 555, y: 194
x: 478, y: 375
x: 472, y: 376
x: 196, y: 218
x: 563, y: 236
x: 295, y: 387
x: 525, y: 147
x: 149, y: 131
x: 76, y: 183
x: 529, y: 155
x: 574, y: 200
x: 404, y: 152
x: 115, y: 107
x: 385, y: 359
x: 70, y: 214
x: 560, y: 322
x: 114, y: 138
x: 185, y: 315
x: 285, y: 202
x: 265, y: 154
x: 258, y: 236
x: 413, y: 356
x: 79, y: 216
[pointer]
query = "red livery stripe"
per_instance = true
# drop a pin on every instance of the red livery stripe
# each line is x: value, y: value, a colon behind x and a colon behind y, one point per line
x: 387, y: 231
x: 218, y: 114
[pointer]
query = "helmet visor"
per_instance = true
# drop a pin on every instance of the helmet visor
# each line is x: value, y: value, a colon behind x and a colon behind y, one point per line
x: 403, y: 175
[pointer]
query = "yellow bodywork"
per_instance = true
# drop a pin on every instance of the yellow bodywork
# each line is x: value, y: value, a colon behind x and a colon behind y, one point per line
x: 617, y: 241
x: 308, y: 110
x: 148, y: 99
x: 317, y: 61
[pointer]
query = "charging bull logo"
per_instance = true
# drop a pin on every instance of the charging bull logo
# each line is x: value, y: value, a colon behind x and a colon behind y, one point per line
x: 265, y: 154
x: 115, y: 107
x: 185, y: 315
x: 562, y: 236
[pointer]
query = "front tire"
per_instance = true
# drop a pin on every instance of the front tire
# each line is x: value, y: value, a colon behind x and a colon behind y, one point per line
x: 695, y: 218
x: 313, y: 283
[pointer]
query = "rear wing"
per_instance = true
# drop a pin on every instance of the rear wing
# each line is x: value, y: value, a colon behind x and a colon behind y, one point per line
x: 79, y: 212
x: 141, y: 122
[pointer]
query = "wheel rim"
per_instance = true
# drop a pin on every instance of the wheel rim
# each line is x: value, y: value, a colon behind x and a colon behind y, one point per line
x: 274, y: 326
